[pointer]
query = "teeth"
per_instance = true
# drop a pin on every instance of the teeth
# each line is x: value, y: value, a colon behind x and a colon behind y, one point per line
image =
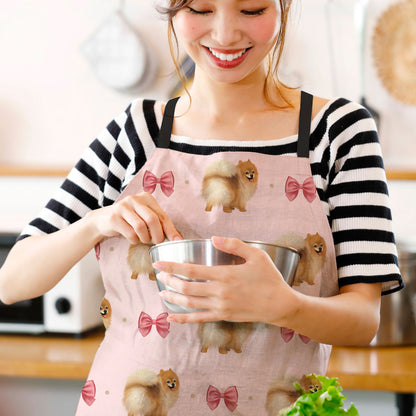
x: 227, y: 57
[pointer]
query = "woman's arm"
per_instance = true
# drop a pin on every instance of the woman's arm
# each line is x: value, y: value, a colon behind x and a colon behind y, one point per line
x: 37, y: 263
x: 350, y: 318
x: 82, y: 211
x: 256, y: 292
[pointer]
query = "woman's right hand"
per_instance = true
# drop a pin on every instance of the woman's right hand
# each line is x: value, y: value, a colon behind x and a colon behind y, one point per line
x: 138, y: 218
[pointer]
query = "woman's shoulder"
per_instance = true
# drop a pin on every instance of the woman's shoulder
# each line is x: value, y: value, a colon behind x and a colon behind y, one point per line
x: 319, y: 103
x: 143, y: 105
x: 146, y: 114
x: 340, y: 111
x: 341, y: 123
x: 337, y: 105
x: 323, y: 107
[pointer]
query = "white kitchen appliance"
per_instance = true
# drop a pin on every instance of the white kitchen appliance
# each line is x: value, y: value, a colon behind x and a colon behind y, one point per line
x: 71, y: 307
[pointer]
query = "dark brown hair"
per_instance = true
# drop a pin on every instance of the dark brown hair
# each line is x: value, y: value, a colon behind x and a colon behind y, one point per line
x: 272, y: 78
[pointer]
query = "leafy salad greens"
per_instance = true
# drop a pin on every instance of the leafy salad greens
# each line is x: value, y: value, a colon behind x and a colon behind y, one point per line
x: 327, y: 401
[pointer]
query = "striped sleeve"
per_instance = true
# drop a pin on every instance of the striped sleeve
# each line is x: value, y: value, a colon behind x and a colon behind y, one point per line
x: 355, y: 189
x: 100, y: 175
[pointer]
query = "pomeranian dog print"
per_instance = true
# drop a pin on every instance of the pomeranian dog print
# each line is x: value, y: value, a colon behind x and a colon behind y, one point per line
x: 105, y: 312
x: 311, y: 261
x: 228, y: 185
x: 282, y: 394
x: 149, y: 394
x: 224, y: 335
x: 312, y: 250
x: 139, y: 260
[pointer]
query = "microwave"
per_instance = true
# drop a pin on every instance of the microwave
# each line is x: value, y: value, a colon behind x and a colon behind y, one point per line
x: 71, y: 307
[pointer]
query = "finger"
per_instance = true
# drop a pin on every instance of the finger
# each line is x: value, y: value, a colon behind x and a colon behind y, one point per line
x: 124, y: 228
x: 152, y: 222
x: 190, y: 302
x: 192, y: 318
x: 169, y: 228
x: 233, y: 246
x: 138, y: 225
x: 189, y: 288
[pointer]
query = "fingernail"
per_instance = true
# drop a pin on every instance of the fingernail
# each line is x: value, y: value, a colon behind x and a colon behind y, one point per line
x: 177, y: 238
x: 218, y: 240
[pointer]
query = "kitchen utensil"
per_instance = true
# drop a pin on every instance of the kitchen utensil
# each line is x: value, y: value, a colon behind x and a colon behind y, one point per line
x: 394, y: 50
x: 203, y: 252
x: 361, y: 24
x: 118, y: 55
x: 398, y: 310
x: 358, y: 10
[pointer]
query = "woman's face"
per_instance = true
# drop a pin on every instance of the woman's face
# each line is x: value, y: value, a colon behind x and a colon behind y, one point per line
x: 228, y: 39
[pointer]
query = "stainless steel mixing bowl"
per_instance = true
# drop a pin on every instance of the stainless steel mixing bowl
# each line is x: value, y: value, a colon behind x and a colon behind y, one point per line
x: 203, y: 252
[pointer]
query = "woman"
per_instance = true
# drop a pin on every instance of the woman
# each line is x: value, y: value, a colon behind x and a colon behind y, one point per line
x: 242, y: 157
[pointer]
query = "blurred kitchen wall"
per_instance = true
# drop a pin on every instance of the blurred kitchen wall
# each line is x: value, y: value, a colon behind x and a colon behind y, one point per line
x: 52, y: 105
x: 324, y: 54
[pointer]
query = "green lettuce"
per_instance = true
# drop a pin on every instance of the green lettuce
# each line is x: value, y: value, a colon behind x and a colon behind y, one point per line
x: 327, y: 401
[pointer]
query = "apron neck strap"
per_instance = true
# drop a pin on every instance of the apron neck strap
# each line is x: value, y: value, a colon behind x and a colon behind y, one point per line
x: 306, y: 101
x: 303, y: 133
x: 167, y: 122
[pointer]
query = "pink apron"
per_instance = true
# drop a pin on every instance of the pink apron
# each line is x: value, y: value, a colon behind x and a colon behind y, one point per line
x: 146, y: 366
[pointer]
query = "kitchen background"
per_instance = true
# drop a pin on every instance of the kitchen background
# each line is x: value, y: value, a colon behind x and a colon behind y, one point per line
x: 51, y: 99
x: 58, y: 90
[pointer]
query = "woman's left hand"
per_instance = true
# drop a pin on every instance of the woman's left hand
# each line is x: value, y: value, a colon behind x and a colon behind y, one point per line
x: 254, y: 291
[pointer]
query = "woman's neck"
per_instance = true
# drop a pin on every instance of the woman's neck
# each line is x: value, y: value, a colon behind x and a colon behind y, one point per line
x: 236, y: 111
x: 219, y: 98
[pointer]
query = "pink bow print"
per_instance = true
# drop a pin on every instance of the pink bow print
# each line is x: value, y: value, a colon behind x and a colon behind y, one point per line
x: 287, y: 334
x: 230, y: 397
x: 88, y: 392
x: 166, y: 182
x: 292, y: 188
x: 161, y: 324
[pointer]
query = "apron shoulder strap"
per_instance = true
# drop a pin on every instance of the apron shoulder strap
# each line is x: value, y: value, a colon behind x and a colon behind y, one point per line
x: 305, y: 116
x: 166, y: 129
x: 303, y: 133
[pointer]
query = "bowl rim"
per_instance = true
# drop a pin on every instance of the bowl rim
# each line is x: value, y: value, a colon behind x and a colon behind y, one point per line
x: 206, y: 240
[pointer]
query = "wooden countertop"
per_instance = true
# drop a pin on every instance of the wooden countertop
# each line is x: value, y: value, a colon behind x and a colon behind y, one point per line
x: 65, y: 357
x: 48, y: 356
x: 375, y: 368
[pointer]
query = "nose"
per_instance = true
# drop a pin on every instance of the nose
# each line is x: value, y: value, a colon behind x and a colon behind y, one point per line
x: 226, y: 30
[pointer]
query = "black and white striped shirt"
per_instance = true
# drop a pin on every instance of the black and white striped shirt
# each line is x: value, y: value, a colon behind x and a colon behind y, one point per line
x: 346, y: 164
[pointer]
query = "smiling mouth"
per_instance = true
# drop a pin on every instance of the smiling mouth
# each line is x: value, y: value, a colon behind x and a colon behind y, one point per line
x: 228, y: 57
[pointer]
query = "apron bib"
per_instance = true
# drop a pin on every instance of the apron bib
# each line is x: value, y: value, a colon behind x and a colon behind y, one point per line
x: 147, y: 366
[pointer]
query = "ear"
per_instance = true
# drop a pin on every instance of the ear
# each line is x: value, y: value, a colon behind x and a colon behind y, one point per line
x: 308, y: 235
x: 240, y: 161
